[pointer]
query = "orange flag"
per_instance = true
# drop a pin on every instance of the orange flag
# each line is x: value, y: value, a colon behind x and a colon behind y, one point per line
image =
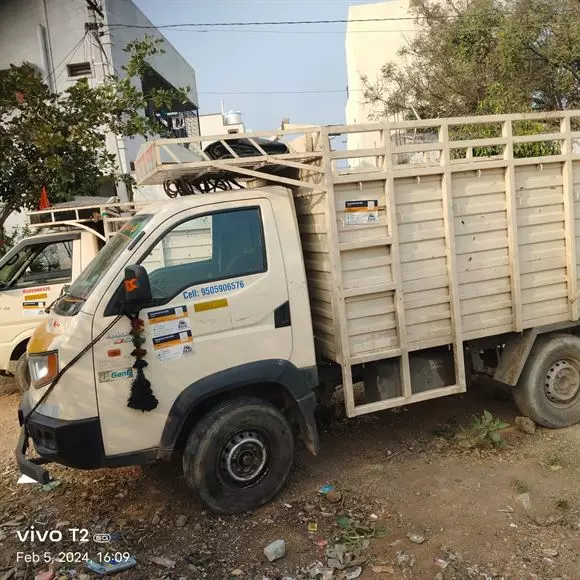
x: 43, y: 203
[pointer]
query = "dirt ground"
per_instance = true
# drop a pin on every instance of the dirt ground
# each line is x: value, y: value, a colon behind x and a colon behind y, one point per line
x: 398, y: 473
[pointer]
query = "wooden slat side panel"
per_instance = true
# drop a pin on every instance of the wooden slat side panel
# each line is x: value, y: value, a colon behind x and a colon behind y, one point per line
x: 371, y: 322
x: 313, y: 228
x: 542, y: 243
x: 366, y: 267
x: 425, y: 279
x: 482, y: 247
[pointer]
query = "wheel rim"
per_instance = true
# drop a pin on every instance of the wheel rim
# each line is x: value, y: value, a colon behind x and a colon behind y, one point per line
x: 244, y: 458
x: 562, y: 383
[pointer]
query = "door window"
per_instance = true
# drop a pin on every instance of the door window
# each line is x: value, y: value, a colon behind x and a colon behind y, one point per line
x: 208, y: 248
x: 38, y: 264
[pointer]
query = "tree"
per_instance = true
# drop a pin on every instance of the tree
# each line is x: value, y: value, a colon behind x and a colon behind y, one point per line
x: 474, y: 57
x: 58, y: 140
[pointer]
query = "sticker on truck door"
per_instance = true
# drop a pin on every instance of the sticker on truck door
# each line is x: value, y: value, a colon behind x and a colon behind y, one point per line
x: 173, y: 346
x: 362, y: 212
x: 33, y: 308
x: 169, y: 321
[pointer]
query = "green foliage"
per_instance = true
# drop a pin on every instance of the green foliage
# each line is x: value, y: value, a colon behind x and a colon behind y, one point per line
x: 9, y: 239
x: 58, y: 140
x: 483, y: 431
x: 474, y: 57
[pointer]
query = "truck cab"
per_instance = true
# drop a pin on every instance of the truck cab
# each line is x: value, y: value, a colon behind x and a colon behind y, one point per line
x: 224, y: 328
x: 33, y: 274
x: 36, y: 271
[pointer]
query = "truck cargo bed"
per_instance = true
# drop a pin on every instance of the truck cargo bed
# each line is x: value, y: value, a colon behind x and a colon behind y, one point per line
x: 424, y: 240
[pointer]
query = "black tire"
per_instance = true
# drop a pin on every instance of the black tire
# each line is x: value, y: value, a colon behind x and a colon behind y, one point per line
x: 21, y: 377
x: 232, y: 434
x: 549, y: 387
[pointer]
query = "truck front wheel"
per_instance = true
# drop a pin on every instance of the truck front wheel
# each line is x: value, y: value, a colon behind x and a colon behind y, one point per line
x: 239, y: 455
x: 549, y: 387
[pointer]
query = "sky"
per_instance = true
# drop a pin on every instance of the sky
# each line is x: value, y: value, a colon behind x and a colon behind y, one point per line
x: 263, y: 59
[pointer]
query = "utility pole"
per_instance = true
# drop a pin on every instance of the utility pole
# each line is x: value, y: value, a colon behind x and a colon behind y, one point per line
x: 105, y: 69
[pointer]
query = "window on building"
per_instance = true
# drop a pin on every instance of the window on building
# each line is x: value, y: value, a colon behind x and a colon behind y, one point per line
x: 233, y: 131
x: 205, y: 249
x: 78, y: 69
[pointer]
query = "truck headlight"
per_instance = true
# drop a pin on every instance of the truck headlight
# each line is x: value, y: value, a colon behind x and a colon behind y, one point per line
x: 43, y: 368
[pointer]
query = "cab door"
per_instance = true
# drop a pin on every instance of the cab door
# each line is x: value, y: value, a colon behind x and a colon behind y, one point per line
x: 217, y: 278
x: 32, y: 276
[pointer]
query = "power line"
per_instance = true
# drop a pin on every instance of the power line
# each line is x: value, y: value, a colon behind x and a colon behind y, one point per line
x: 69, y: 55
x: 304, y: 92
x: 264, y: 23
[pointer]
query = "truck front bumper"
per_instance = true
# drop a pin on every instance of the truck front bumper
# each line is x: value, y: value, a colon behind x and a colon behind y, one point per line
x: 77, y: 444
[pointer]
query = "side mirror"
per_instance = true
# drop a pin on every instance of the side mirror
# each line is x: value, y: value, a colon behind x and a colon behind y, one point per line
x: 137, y: 289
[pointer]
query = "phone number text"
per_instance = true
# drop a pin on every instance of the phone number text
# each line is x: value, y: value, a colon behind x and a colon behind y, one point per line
x: 214, y: 289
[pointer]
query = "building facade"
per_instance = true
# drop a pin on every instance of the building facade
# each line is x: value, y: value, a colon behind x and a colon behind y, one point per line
x: 369, y: 45
x: 51, y: 35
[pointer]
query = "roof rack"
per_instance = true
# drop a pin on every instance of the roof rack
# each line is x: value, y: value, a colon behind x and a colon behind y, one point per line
x: 102, y: 219
x: 205, y: 164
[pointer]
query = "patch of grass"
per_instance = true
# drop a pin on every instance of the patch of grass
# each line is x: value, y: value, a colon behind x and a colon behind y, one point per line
x: 483, y: 431
x: 520, y: 486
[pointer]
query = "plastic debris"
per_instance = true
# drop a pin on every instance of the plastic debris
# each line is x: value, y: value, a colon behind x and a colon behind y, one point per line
x: 343, y: 522
x: 162, y: 561
x: 51, y: 485
x: 321, y: 543
x: 325, y: 489
x: 416, y: 538
x: 524, y: 499
x: 113, y: 567
x: 441, y: 563
x: 383, y: 570
x: 353, y: 573
x: 405, y: 558
x: 334, y: 496
x: 374, y: 517
x: 25, y: 479
x: 275, y: 550
x: 312, y: 527
x: 46, y: 575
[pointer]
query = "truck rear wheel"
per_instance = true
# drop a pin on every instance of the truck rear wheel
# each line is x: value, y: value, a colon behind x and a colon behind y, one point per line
x: 21, y: 373
x: 239, y: 455
x: 549, y: 387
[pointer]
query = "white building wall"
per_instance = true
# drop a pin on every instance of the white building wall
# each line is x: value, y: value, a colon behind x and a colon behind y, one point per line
x: 64, y: 23
x: 369, y: 45
x: 214, y: 125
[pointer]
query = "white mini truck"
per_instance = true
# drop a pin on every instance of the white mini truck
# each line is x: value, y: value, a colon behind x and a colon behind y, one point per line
x: 35, y: 272
x: 209, y: 325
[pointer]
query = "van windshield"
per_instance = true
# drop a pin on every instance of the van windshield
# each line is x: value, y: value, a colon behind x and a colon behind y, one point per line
x: 82, y: 287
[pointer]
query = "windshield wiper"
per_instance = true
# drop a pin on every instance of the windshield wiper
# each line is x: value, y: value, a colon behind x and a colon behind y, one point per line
x: 64, y: 292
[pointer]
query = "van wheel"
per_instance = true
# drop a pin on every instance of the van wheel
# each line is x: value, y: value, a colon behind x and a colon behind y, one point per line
x: 21, y: 377
x: 239, y: 455
x: 549, y: 387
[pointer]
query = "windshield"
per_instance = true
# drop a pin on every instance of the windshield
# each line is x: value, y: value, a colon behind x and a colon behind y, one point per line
x: 94, y: 272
